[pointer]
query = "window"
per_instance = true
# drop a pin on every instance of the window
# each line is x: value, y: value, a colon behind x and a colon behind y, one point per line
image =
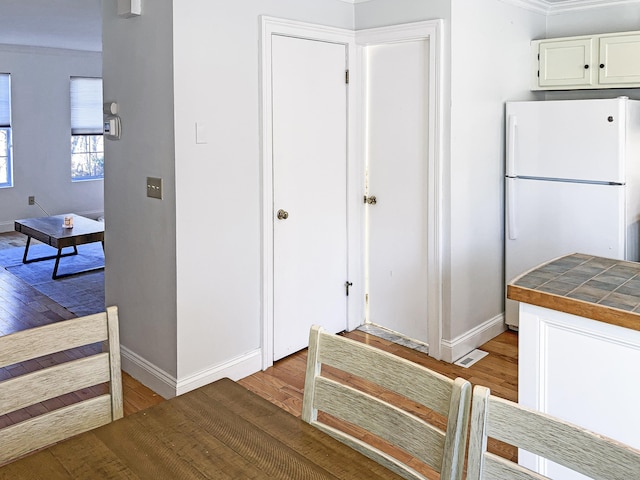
x: 87, y: 144
x: 6, y: 177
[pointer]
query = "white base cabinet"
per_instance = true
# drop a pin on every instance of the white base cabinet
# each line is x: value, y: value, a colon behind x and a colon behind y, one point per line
x: 584, y: 371
x: 586, y: 62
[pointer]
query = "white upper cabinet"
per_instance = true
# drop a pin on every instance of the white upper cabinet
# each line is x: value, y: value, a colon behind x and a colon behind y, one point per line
x: 620, y: 60
x: 566, y: 63
x: 593, y: 61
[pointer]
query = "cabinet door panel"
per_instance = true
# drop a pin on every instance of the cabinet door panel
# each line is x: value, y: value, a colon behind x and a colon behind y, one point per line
x: 566, y: 63
x: 620, y: 57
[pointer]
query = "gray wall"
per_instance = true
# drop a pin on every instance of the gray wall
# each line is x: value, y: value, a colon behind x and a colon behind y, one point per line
x: 140, y: 237
x: 40, y: 120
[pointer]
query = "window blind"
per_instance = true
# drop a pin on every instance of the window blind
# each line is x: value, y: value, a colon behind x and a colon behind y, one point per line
x: 5, y: 100
x: 86, y: 106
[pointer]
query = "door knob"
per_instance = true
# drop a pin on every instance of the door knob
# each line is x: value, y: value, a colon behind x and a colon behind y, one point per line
x: 282, y: 215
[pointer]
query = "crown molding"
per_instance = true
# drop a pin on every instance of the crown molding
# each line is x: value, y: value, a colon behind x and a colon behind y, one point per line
x: 553, y: 8
x: 550, y: 8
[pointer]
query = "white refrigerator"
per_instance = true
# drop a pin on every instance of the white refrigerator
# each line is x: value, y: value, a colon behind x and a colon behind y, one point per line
x: 572, y: 182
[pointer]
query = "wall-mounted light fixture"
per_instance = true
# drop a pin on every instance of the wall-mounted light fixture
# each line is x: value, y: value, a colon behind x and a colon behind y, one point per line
x: 112, y: 123
x: 129, y: 8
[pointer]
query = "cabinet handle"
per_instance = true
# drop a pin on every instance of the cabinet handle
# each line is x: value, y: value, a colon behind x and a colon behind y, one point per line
x: 602, y: 65
x: 586, y: 67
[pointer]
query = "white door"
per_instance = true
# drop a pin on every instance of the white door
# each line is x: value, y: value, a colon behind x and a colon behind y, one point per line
x: 310, y: 184
x: 397, y: 155
x: 547, y: 219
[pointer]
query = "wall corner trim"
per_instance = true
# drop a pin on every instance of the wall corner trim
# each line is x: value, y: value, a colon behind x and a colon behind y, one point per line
x: 454, y: 349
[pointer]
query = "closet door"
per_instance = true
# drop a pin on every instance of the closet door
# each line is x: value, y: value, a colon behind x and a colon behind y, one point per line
x: 309, y: 190
x: 397, y: 80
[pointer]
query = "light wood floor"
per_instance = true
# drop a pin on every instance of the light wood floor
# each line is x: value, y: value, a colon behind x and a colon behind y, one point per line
x: 23, y: 307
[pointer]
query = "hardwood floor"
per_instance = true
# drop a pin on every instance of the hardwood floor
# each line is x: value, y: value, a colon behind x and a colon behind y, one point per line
x: 21, y: 306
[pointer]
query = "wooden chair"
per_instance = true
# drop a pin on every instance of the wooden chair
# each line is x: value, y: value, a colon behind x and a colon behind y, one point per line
x: 443, y: 451
x: 57, y: 380
x: 576, y: 448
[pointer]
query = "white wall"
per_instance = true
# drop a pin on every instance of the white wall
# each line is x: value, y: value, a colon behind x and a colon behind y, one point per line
x: 41, y: 132
x: 185, y: 271
x: 490, y: 65
x: 609, y: 19
x: 218, y: 184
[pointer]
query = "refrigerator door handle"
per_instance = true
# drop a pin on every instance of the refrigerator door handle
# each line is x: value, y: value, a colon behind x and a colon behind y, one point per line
x: 512, y: 124
x: 512, y: 226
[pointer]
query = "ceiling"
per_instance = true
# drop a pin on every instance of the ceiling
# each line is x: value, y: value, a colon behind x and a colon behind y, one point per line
x: 73, y: 24
x: 77, y: 24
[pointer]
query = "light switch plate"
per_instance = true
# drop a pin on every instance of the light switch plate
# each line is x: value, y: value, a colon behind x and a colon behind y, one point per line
x: 154, y: 187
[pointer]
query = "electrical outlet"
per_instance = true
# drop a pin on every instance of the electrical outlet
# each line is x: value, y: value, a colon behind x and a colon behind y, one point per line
x: 32, y: 200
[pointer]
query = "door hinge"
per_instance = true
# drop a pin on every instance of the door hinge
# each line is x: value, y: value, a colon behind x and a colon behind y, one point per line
x: 372, y: 200
x: 346, y: 77
x: 347, y: 284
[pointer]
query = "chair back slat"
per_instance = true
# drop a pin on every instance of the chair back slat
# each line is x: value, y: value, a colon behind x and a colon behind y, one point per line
x: 432, y: 394
x: 100, y: 332
x: 49, y: 428
x: 556, y: 440
x: 398, y: 374
x: 396, y: 426
x: 498, y: 467
x: 55, y: 337
x: 56, y: 381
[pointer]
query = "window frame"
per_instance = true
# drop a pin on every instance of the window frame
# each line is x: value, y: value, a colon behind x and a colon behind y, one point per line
x: 5, y: 125
x: 86, y: 121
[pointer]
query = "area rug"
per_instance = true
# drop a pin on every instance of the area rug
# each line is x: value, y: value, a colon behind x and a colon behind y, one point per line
x: 81, y: 294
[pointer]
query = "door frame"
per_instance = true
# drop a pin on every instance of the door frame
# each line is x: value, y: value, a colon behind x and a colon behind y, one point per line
x: 275, y: 26
x: 431, y: 30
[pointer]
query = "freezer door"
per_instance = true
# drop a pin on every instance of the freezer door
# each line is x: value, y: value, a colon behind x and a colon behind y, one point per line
x: 548, y: 219
x: 568, y: 139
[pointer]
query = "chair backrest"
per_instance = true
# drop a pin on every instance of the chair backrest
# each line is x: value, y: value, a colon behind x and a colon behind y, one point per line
x: 571, y: 446
x: 54, y: 381
x: 404, y: 428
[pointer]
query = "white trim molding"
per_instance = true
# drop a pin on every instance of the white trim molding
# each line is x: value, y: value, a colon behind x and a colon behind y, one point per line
x: 235, y: 369
x: 277, y: 26
x: 454, y: 349
x: 147, y: 373
x: 563, y: 6
x: 168, y: 386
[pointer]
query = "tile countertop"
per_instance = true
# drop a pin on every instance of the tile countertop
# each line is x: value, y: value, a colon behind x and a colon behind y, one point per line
x: 599, y: 288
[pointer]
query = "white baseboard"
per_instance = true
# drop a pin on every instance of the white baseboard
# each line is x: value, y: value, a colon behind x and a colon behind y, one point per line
x: 167, y: 386
x: 454, y: 349
x: 6, y: 226
x: 147, y: 373
x: 234, y: 369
